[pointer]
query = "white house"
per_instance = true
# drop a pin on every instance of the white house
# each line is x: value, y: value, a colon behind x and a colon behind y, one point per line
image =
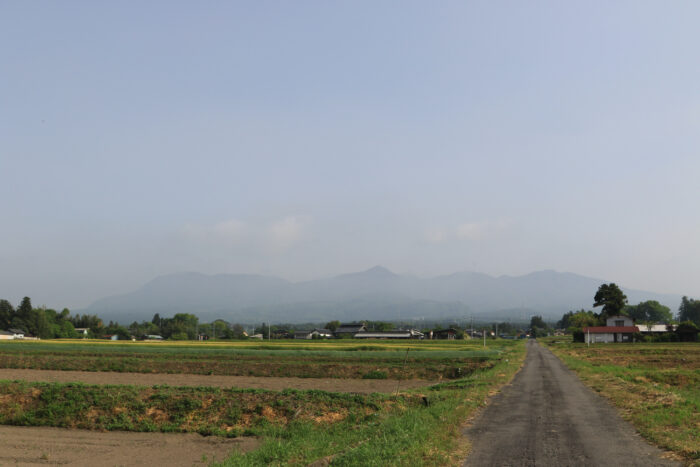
x: 12, y: 334
x: 319, y: 333
x: 617, y: 329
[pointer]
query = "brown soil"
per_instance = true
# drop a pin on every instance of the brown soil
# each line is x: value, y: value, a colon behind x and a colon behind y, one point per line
x: 54, y: 446
x: 365, y: 386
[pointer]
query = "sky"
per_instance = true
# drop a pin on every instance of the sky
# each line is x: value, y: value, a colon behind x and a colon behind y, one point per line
x: 311, y: 138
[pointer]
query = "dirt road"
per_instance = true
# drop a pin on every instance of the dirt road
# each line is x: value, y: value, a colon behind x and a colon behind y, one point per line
x: 57, y: 446
x: 365, y: 386
x: 547, y: 417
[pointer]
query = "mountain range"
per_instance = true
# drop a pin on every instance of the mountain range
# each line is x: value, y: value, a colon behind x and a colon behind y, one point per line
x: 375, y: 294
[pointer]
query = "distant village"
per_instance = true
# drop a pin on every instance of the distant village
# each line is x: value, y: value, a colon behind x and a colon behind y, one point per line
x: 617, y: 322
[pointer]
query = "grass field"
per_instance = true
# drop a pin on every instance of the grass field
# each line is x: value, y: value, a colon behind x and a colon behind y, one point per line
x: 656, y: 386
x: 415, y: 427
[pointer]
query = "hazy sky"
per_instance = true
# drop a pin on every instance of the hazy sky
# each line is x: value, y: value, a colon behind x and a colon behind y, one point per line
x: 308, y: 138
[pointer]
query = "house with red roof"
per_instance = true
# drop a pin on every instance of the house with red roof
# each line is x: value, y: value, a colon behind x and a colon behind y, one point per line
x: 617, y: 328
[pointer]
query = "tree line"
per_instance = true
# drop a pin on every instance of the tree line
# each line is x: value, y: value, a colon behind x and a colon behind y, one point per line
x: 47, y: 323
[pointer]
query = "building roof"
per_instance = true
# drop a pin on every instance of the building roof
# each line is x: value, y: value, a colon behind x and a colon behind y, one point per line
x: 656, y: 327
x: 317, y: 331
x: 382, y: 334
x: 352, y: 327
x: 7, y: 333
x: 407, y: 333
x: 610, y: 329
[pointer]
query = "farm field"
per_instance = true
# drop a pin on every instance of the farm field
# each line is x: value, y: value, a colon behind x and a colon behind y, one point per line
x: 656, y: 386
x: 416, y: 425
x: 363, y: 386
x: 429, y: 361
x: 56, y: 446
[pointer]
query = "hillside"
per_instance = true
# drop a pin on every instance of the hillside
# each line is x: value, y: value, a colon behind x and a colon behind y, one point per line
x: 373, y: 294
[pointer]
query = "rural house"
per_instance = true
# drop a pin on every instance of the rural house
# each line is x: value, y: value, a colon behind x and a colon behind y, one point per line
x: 11, y: 334
x: 444, y: 334
x: 617, y: 329
x: 401, y: 334
x: 320, y: 333
x: 349, y: 329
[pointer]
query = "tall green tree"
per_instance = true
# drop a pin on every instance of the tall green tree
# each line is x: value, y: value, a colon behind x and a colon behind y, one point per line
x: 573, y: 321
x: 7, y: 312
x: 23, y: 315
x: 689, y: 310
x: 537, y: 322
x: 650, y: 311
x: 611, y: 298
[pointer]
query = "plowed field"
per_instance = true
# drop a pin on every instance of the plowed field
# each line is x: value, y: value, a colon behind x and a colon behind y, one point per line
x: 364, y: 386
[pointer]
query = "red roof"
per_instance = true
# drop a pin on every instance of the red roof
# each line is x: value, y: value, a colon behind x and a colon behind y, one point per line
x: 610, y: 329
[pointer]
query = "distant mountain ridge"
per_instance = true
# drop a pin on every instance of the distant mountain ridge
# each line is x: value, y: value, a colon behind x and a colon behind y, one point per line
x: 376, y: 293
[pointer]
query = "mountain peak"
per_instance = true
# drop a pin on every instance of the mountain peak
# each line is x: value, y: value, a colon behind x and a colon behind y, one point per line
x: 378, y: 271
x: 374, y: 273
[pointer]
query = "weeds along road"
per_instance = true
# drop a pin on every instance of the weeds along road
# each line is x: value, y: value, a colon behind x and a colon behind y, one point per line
x: 547, y: 417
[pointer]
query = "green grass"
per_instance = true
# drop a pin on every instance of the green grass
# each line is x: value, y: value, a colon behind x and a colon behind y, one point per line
x: 419, y: 427
x: 427, y: 434
x: 205, y: 410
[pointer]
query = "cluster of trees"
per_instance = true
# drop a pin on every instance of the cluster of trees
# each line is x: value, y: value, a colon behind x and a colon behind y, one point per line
x: 538, y: 327
x: 689, y: 311
x: 46, y: 323
x: 185, y: 326
x: 614, y: 302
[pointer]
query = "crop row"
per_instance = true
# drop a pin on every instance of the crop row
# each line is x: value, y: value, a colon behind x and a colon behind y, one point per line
x: 241, y: 366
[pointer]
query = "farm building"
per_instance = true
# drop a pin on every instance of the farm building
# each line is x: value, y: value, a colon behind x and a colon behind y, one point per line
x: 656, y: 328
x: 82, y: 332
x: 444, y: 334
x: 349, y: 330
x: 319, y: 333
x: 11, y: 334
x: 617, y: 329
x: 401, y: 334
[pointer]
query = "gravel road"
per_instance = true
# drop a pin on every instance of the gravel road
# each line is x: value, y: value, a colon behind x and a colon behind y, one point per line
x: 547, y: 417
